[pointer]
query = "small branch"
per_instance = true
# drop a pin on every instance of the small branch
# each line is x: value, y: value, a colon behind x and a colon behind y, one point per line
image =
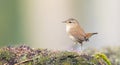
x: 22, y: 62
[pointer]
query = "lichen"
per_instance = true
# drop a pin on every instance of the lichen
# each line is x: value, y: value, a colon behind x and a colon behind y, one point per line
x: 25, y: 55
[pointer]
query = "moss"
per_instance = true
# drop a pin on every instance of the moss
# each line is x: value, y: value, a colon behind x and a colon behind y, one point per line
x: 66, y: 58
x: 7, y: 57
x: 101, y: 56
x: 24, y: 55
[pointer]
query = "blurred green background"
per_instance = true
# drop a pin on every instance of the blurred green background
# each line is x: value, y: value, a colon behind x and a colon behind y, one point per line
x: 10, y: 23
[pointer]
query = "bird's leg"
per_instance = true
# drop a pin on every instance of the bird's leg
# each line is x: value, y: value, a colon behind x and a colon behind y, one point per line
x: 72, y: 47
x: 79, y: 49
x: 81, y: 46
x: 75, y: 47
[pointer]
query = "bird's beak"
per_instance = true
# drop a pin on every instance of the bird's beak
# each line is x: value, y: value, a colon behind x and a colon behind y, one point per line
x: 63, y: 21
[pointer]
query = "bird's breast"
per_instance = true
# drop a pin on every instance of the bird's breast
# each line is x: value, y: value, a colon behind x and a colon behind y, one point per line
x: 68, y: 28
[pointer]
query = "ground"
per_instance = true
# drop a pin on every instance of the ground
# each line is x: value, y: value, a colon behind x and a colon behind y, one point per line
x: 25, y: 55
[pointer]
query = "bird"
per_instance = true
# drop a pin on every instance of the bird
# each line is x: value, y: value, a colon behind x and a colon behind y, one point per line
x: 76, y: 32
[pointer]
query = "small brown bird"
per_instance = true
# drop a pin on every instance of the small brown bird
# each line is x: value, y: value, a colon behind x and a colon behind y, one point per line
x: 75, y: 32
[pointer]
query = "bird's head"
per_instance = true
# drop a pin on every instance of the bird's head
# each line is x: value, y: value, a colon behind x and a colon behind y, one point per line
x: 71, y: 22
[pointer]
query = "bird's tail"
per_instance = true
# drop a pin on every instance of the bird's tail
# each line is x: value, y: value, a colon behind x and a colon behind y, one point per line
x: 88, y: 35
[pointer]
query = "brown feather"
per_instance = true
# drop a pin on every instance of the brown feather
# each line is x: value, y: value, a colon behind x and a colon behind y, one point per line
x: 88, y: 35
x: 78, y: 33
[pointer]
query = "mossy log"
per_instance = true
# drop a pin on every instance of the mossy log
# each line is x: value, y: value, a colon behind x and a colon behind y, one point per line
x: 24, y: 55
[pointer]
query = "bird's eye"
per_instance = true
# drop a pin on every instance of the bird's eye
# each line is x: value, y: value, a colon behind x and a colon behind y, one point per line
x: 70, y: 22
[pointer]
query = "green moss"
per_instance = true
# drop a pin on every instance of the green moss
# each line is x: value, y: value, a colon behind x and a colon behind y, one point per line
x: 101, y: 56
x: 7, y: 57
x: 24, y: 55
x: 67, y: 58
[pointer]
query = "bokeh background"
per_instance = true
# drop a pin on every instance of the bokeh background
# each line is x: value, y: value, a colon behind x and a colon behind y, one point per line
x: 38, y: 23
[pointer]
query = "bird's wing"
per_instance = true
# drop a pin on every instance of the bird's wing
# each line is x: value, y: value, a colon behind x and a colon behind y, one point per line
x: 78, y: 34
x: 81, y: 31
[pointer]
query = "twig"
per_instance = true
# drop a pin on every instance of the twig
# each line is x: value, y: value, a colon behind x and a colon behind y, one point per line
x: 28, y: 60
